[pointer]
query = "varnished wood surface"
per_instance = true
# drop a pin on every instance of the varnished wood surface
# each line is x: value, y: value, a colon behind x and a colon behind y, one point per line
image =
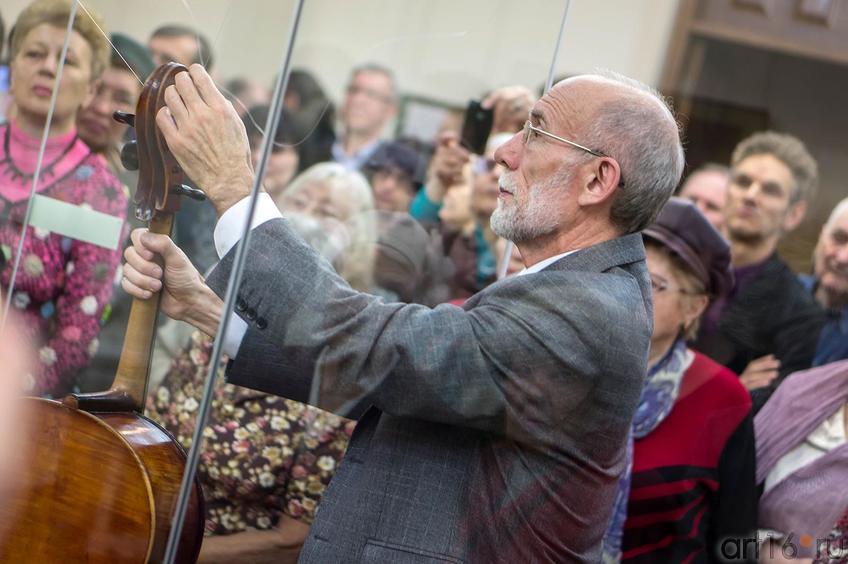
x: 97, y: 489
x: 165, y: 461
x: 98, y: 481
x: 85, y: 497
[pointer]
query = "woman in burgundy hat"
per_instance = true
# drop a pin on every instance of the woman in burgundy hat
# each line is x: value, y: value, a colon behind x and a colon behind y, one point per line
x: 691, y: 478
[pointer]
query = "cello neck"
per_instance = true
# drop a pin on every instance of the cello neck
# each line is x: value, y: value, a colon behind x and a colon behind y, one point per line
x: 129, y: 389
x: 134, y: 364
x: 157, y: 197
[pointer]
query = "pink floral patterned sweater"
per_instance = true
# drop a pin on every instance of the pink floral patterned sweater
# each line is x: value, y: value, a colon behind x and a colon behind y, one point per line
x: 62, y: 284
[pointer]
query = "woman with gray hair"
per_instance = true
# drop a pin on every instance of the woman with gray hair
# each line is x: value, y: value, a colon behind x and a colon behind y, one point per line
x: 691, y: 476
x: 340, y: 201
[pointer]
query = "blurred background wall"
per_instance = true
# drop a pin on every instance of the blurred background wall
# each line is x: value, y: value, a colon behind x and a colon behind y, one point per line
x: 248, y: 37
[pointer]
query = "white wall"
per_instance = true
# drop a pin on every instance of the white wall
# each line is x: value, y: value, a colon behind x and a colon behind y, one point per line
x: 445, y: 49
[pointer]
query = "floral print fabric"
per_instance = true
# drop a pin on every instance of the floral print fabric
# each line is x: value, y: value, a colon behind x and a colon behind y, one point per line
x: 835, y: 548
x: 63, y: 284
x: 263, y: 455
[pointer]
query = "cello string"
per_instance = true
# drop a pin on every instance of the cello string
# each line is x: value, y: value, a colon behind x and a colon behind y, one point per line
x: 115, y: 49
x: 507, y: 252
x: 233, y: 284
x: 72, y: 14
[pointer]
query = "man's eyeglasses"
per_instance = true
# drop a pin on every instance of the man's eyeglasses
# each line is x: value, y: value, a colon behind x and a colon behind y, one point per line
x: 353, y: 90
x: 529, y: 129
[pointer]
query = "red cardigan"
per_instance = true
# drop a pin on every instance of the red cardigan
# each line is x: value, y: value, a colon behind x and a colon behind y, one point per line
x: 693, y: 477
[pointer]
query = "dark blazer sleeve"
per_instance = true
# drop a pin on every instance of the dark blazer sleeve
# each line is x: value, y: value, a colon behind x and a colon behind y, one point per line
x: 494, y: 366
x: 797, y: 333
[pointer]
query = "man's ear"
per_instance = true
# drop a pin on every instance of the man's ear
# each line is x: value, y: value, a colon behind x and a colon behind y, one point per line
x: 794, y: 215
x: 604, y: 181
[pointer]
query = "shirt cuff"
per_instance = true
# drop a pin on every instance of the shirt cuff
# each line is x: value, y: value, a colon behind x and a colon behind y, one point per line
x: 230, y: 226
x: 234, y: 335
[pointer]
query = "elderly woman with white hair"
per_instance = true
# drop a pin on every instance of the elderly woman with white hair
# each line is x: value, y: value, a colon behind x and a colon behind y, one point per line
x: 339, y: 201
x: 266, y: 459
x: 829, y: 285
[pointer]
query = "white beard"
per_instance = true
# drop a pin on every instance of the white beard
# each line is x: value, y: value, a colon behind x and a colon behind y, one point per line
x: 520, y: 223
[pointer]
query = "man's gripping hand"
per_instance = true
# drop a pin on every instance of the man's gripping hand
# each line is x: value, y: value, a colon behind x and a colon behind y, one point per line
x: 185, y: 297
x: 207, y: 137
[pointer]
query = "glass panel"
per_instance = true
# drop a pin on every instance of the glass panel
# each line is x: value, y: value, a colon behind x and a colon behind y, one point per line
x: 166, y: 29
x: 377, y: 87
x: 82, y: 225
x: 415, y: 75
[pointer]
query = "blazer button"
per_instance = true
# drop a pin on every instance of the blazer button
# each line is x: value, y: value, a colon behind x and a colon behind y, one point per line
x: 250, y: 314
x: 241, y: 305
x: 261, y: 323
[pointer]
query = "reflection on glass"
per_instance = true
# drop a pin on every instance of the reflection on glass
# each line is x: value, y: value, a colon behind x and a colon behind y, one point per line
x: 408, y: 262
x: 141, y: 36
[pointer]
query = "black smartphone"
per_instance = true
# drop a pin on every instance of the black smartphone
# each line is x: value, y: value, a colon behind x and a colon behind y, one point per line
x: 476, y: 127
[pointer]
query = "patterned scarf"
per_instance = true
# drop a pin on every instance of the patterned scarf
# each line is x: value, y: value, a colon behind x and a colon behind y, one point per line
x: 658, y: 396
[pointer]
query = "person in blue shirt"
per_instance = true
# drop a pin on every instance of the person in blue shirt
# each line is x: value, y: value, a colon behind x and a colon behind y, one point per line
x: 829, y: 285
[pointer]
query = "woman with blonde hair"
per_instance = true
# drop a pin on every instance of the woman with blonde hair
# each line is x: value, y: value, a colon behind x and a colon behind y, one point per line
x: 63, y: 283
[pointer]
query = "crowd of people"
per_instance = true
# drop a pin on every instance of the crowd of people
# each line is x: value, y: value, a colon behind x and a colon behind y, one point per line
x: 648, y: 381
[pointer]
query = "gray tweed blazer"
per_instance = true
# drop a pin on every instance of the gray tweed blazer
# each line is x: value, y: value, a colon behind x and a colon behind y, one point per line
x: 494, y: 432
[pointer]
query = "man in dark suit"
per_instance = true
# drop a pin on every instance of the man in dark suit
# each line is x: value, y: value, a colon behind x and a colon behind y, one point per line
x: 496, y: 431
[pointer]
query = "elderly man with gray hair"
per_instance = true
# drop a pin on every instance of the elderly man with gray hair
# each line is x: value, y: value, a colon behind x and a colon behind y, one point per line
x: 829, y: 285
x: 495, y: 431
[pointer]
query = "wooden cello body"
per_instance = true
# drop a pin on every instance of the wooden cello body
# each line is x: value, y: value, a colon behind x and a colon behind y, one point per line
x: 99, y: 481
x: 101, y: 487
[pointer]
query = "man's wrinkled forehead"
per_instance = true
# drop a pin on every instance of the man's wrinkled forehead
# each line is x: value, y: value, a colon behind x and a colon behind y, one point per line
x: 565, y: 106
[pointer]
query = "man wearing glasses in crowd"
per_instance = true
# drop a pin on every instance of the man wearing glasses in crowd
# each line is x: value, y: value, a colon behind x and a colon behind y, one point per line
x: 369, y: 105
x: 496, y: 431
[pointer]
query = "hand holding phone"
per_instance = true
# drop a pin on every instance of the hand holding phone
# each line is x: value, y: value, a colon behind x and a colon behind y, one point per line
x: 476, y: 127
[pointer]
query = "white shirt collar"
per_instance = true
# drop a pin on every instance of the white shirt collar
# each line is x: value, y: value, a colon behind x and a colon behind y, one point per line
x: 544, y: 263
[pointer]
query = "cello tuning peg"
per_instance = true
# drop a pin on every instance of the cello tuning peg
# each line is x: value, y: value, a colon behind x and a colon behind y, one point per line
x: 129, y: 155
x: 191, y: 192
x: 124, y: 117
x: 143, y: 214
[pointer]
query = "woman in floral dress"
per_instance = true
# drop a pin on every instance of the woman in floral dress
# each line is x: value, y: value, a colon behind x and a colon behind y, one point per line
x: 267, y: 460
x: 62, y: 284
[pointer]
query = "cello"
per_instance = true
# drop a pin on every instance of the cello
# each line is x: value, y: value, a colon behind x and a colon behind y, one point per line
x: 98, y: 480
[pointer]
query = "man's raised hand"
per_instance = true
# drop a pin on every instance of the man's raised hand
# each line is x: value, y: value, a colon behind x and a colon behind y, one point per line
x: 207, y: 137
